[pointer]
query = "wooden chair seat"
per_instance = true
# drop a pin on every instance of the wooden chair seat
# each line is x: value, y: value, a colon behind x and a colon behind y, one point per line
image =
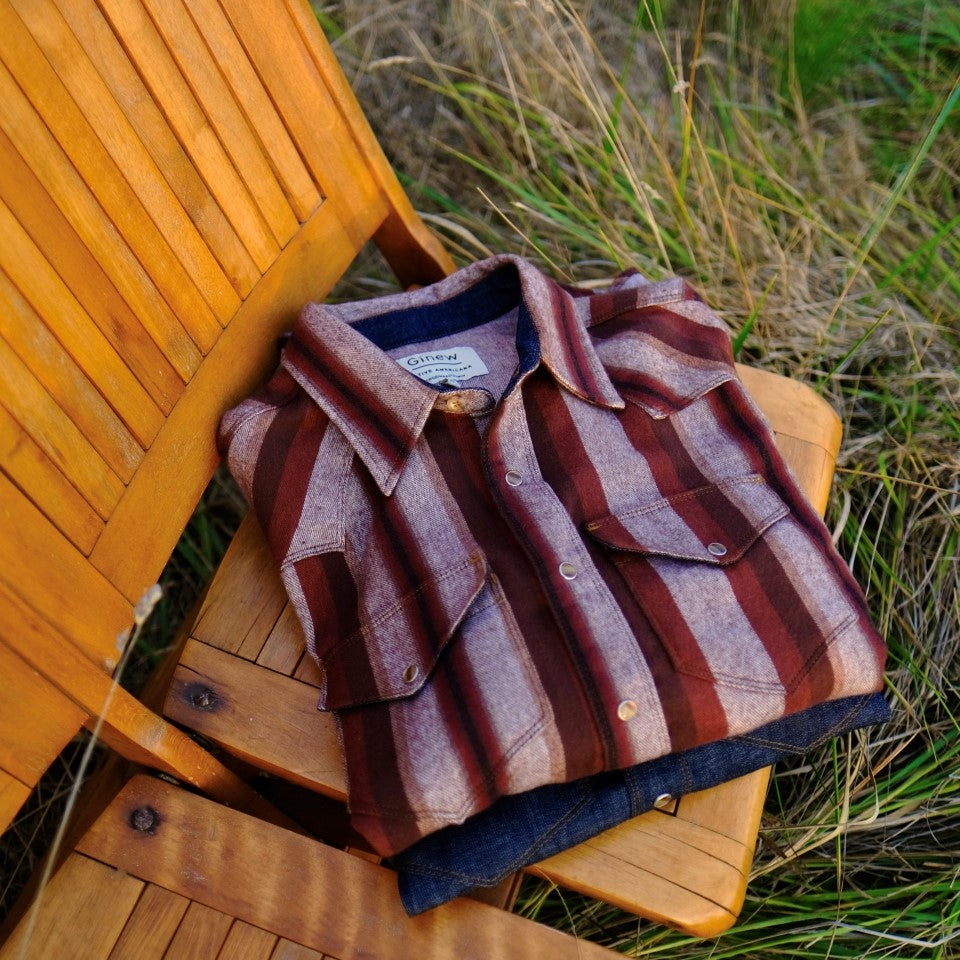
x: 245, y: 682
x: 165, y: 873
x: 179, y: 177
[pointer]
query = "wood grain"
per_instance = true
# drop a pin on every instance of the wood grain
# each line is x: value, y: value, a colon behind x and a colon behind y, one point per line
x: 70, y: 339
x: 251, y: 95
x: 247, y: 942
x: 54, y: 170
x: 259, y: 715
x: 50, y: 230
x: 84, y: 910
x: 79, y: 76
x: 170, y: 89
x: 313, y: 119
x: 13, y: 795
x: 147, y: 119
x: 38, y: 81
x: 28, y: 702
x: 413, y: 252
x: 223, y: 115
x: 30, y: 469
x: 299, y: 889
x: 151, y: 926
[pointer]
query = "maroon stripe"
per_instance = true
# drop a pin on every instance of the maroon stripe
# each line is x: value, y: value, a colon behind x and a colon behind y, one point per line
x: 579, y: 487
x: 666, y: 454
x: 375, y: 778
x: 331, y: 596
x: 680, y: 333
x: 369, y: 413
x: 568, y: 469
x: 283, y: 469
x: 610, y: 303
x: 690, y: 705
x: 779, y: 616
x: 479, y: 750
x: 645, y: 389
x: 371, y: 759
x: 666, y: 617
x: 428, y: 621
x: 740, y: 422
x: 572, y: 341
x: 456, y: 444
x: 395, y: 541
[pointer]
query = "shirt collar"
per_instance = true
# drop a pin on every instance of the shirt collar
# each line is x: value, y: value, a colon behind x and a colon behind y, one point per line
x: 382, y: 408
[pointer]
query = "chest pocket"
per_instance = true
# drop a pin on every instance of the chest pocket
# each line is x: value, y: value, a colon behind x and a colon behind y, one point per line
x: 736, y: 590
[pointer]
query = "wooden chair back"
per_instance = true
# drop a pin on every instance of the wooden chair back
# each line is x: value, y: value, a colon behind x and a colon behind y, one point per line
x: 177, y: 177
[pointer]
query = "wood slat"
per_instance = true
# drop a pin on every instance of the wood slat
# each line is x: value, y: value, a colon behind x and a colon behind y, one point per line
x: 151, y: 926
x: 33, y: 140
x: 29, y: 404
x: 36, y: 720
x: 38, y: 352
x: 245, y: 85
x: 286, y: 950
x: 168, y: 87
x: 251, y: 578
x: 84, y: 909
x: 52, y: 576
x: 246, y: 942
x: 75, y: 136
x: 122, y: 722
x: 51, y: 232
x: 693, y: 865
x: 299, y: 889
x: 278, y: 652
x: 97, y: 37
x: 270, y: 36
x: 272, y: 721
x: 78, y: 74
x: 13, y: 795
x: 34, y: 473
x: 143, y: 530
x: 201, y: 934
x: 61, y: 326
x: 258, y: 715
x: 215, y: 97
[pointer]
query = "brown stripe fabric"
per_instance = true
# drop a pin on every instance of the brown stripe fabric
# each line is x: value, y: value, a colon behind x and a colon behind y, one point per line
x: 584, y: 554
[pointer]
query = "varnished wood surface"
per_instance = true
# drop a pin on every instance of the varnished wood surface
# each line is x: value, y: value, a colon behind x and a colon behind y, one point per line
x: 178, y: 179
x: 233, y: 867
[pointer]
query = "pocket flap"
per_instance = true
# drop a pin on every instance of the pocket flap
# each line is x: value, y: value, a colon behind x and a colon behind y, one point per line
x: 397, y: 646
x: 713, y: 524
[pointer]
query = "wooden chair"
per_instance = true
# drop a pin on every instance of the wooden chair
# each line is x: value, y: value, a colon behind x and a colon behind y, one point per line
x: 178, y: 178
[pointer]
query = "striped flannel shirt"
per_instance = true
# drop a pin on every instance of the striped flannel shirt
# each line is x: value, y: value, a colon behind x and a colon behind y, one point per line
x: 533, y: 533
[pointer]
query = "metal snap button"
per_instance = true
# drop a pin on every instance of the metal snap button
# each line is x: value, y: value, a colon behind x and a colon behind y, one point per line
x: 411, y: 673
x: 717, y: 549
x: 664, y: 802
x: 567, y: 570
x: 627, y: 710
x: 513, y: 478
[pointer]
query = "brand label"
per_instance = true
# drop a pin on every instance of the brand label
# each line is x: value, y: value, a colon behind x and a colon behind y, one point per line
x: 450, y: 366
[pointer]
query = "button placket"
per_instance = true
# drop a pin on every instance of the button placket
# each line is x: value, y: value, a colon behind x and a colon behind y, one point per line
x: 575, y: 580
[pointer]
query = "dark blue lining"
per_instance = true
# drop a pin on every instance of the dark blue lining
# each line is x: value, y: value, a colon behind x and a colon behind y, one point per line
x: 492, y: 297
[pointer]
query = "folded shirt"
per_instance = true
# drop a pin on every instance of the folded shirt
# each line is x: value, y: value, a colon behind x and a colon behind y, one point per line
x: 528, y: 827
x: 534, y: 533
